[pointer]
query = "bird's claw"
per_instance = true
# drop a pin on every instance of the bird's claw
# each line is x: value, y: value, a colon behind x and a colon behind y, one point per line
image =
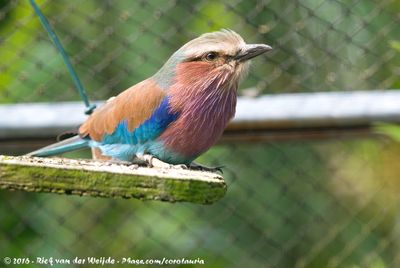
x: 150, y: 161
x: 180, y: 166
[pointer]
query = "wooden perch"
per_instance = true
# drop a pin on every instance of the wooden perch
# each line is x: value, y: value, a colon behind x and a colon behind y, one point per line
x: 94, y: 178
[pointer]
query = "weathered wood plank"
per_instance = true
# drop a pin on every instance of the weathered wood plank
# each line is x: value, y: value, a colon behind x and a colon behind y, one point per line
x: 102, y: 179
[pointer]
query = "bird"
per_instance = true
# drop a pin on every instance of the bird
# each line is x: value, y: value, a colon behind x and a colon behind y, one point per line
x: 175, y: 115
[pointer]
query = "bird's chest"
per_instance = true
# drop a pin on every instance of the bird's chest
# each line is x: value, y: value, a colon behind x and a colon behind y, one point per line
x: 200, y: 124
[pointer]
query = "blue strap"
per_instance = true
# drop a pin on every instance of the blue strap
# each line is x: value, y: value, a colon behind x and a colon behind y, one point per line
x: 54, y: 38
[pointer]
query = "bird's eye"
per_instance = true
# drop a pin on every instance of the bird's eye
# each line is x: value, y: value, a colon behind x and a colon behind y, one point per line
x: 210, y: 56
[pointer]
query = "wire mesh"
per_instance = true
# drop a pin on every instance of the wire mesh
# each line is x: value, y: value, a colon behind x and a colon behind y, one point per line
x: 329, y: 203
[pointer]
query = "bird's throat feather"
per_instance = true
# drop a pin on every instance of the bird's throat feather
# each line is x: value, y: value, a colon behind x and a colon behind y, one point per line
x: 206, y: 100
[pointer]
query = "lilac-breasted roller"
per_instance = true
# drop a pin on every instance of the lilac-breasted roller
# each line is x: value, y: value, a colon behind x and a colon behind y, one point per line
x: 178, y: 113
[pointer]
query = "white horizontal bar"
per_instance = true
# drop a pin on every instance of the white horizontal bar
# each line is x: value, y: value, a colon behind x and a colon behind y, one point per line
x: 298, y: 110
x: 321, y: 109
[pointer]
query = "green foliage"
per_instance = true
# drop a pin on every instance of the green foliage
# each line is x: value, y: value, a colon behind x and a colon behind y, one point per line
x: 391, y: 130
x: 395, y: 45
x: 116, y: 44
x: 301, y: 207
x: 318, y: 203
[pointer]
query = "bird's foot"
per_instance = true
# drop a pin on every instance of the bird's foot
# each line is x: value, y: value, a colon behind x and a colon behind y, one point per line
x: 196, y: 166
x: 180, y: 166
x: 150, y: 161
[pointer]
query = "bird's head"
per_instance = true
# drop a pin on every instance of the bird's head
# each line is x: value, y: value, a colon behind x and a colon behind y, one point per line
x: 220, y: 57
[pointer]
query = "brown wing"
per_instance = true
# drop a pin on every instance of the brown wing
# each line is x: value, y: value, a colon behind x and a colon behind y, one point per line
x: 136, y: 104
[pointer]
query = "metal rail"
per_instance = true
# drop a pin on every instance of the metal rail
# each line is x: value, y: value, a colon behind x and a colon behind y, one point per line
x: 270, y: 117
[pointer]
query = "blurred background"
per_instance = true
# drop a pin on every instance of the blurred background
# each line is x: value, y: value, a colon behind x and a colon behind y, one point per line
x: 331, y: 202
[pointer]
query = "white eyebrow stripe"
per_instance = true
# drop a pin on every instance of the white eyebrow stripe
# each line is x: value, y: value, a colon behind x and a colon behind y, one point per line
x: 226, y: 41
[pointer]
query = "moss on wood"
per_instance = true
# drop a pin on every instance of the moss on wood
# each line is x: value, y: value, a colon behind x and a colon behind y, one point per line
x: 94, y: 178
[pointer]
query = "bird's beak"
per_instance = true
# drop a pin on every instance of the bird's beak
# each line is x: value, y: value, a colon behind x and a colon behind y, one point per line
x: 251, y: 51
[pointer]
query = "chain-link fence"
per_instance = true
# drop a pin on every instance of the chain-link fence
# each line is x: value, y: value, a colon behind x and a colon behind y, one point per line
x: 307, y: 203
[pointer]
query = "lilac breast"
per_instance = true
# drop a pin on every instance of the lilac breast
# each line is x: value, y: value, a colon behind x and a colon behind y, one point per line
x: 201, y: 122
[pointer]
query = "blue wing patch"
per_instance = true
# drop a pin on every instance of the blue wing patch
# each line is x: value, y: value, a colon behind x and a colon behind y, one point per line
x: 123, y: 144
x: 149, y: 130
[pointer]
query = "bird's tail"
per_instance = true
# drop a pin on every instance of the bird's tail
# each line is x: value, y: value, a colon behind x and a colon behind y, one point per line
x: 64, y: 146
